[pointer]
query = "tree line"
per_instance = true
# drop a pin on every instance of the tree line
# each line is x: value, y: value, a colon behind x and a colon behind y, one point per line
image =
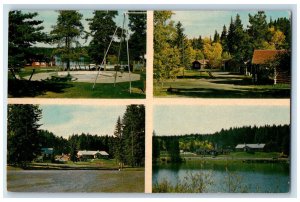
x: 174, y: 51
x: 276, y: 138
x: 25, y: 139
x: 25, y: 31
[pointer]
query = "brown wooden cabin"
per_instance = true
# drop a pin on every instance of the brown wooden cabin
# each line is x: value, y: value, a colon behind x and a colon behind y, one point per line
x: 200, y: 64
x: 261, y: 63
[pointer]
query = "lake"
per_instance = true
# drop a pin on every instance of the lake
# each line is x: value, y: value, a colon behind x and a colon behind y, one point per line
x: 229, y: 176
x: 75, y: 181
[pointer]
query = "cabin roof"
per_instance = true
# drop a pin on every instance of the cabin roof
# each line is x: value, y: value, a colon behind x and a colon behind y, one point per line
x: 203, y: 61
x: 252, y: 146
x: 263, y: 56
x: 87, y: 152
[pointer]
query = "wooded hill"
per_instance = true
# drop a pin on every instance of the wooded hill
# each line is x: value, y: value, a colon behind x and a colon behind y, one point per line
x: 276, y: 138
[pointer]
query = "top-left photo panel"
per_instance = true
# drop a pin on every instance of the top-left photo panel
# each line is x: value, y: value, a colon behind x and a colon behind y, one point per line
x: 77, y: 54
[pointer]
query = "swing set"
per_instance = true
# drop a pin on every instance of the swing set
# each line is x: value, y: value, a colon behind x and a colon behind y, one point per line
x: 123, y: 38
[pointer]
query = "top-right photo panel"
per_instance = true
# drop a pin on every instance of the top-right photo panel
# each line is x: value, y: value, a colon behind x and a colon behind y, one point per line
x: 222, y: 54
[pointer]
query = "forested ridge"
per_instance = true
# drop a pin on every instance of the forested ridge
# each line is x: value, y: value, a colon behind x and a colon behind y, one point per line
x: 276, y: 138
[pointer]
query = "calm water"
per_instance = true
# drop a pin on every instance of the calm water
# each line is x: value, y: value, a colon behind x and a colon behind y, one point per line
x: 75, y: 181
x: 247, y: 177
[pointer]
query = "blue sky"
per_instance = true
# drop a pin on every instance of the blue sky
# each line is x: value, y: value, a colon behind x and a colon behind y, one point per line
x: 65, y: 120
x: 205, y: 23
x: 178, y: 119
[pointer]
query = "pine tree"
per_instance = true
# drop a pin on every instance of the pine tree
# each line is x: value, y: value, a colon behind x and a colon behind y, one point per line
x: 223, y: 38
x: 230, y: 37
x: 23, y: 142
x: 216, y: 37
x: 180, y: 42
x: 258, y: 29
x: 65, y: 33
x: 119, y: 149
x: 137, y: 42
x: 102, y: 27
x: 134, y: 135
x: 238, y: 41
x: 23, y: 32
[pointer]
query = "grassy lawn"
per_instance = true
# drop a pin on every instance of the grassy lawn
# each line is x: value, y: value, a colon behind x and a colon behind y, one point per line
x: 222, y: 85
x: 60, y: 88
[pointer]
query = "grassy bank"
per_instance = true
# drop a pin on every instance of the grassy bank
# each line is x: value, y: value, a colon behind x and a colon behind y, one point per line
x: 232, y: 157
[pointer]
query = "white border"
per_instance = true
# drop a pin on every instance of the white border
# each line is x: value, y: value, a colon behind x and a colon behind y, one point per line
x: 173, y: 5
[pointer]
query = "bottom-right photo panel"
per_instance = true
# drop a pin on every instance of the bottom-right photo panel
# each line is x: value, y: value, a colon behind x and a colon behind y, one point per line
x: 221, y: 149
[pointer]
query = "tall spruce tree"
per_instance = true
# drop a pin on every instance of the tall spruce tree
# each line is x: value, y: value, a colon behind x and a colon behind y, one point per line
x: 238, y: 41
x: 119, y: 148
x: 180, y: 42
x: 230, y: 36
x: 23, y: 142
x: 66, y: 32
x: 223, y: 38
x: 134, y: 135
x: 23, y: 32
x: 216, y: 37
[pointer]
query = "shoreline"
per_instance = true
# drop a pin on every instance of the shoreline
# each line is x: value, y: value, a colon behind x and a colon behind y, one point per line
x: 225, y: 159
x: 51, y: 166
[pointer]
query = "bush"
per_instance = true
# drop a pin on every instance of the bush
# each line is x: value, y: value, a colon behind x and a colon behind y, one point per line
x: 192, y: 183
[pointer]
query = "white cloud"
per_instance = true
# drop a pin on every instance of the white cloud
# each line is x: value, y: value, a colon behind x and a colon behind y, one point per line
x: 87, y: 119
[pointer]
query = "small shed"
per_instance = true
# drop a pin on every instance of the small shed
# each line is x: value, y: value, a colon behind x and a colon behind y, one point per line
x: 200, y: 64
x: 260, y: 66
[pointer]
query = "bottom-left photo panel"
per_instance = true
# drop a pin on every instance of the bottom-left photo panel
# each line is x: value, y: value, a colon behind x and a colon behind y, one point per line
x: 75, y: 148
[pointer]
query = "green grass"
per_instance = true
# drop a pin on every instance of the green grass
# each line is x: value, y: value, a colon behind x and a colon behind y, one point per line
x: 192, y: 74
x: 27, y: 71
x: 212, y: 88
x: 103, y: 90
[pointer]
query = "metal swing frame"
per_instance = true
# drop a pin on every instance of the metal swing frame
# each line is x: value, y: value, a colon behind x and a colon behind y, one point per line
x: 125, y: 37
